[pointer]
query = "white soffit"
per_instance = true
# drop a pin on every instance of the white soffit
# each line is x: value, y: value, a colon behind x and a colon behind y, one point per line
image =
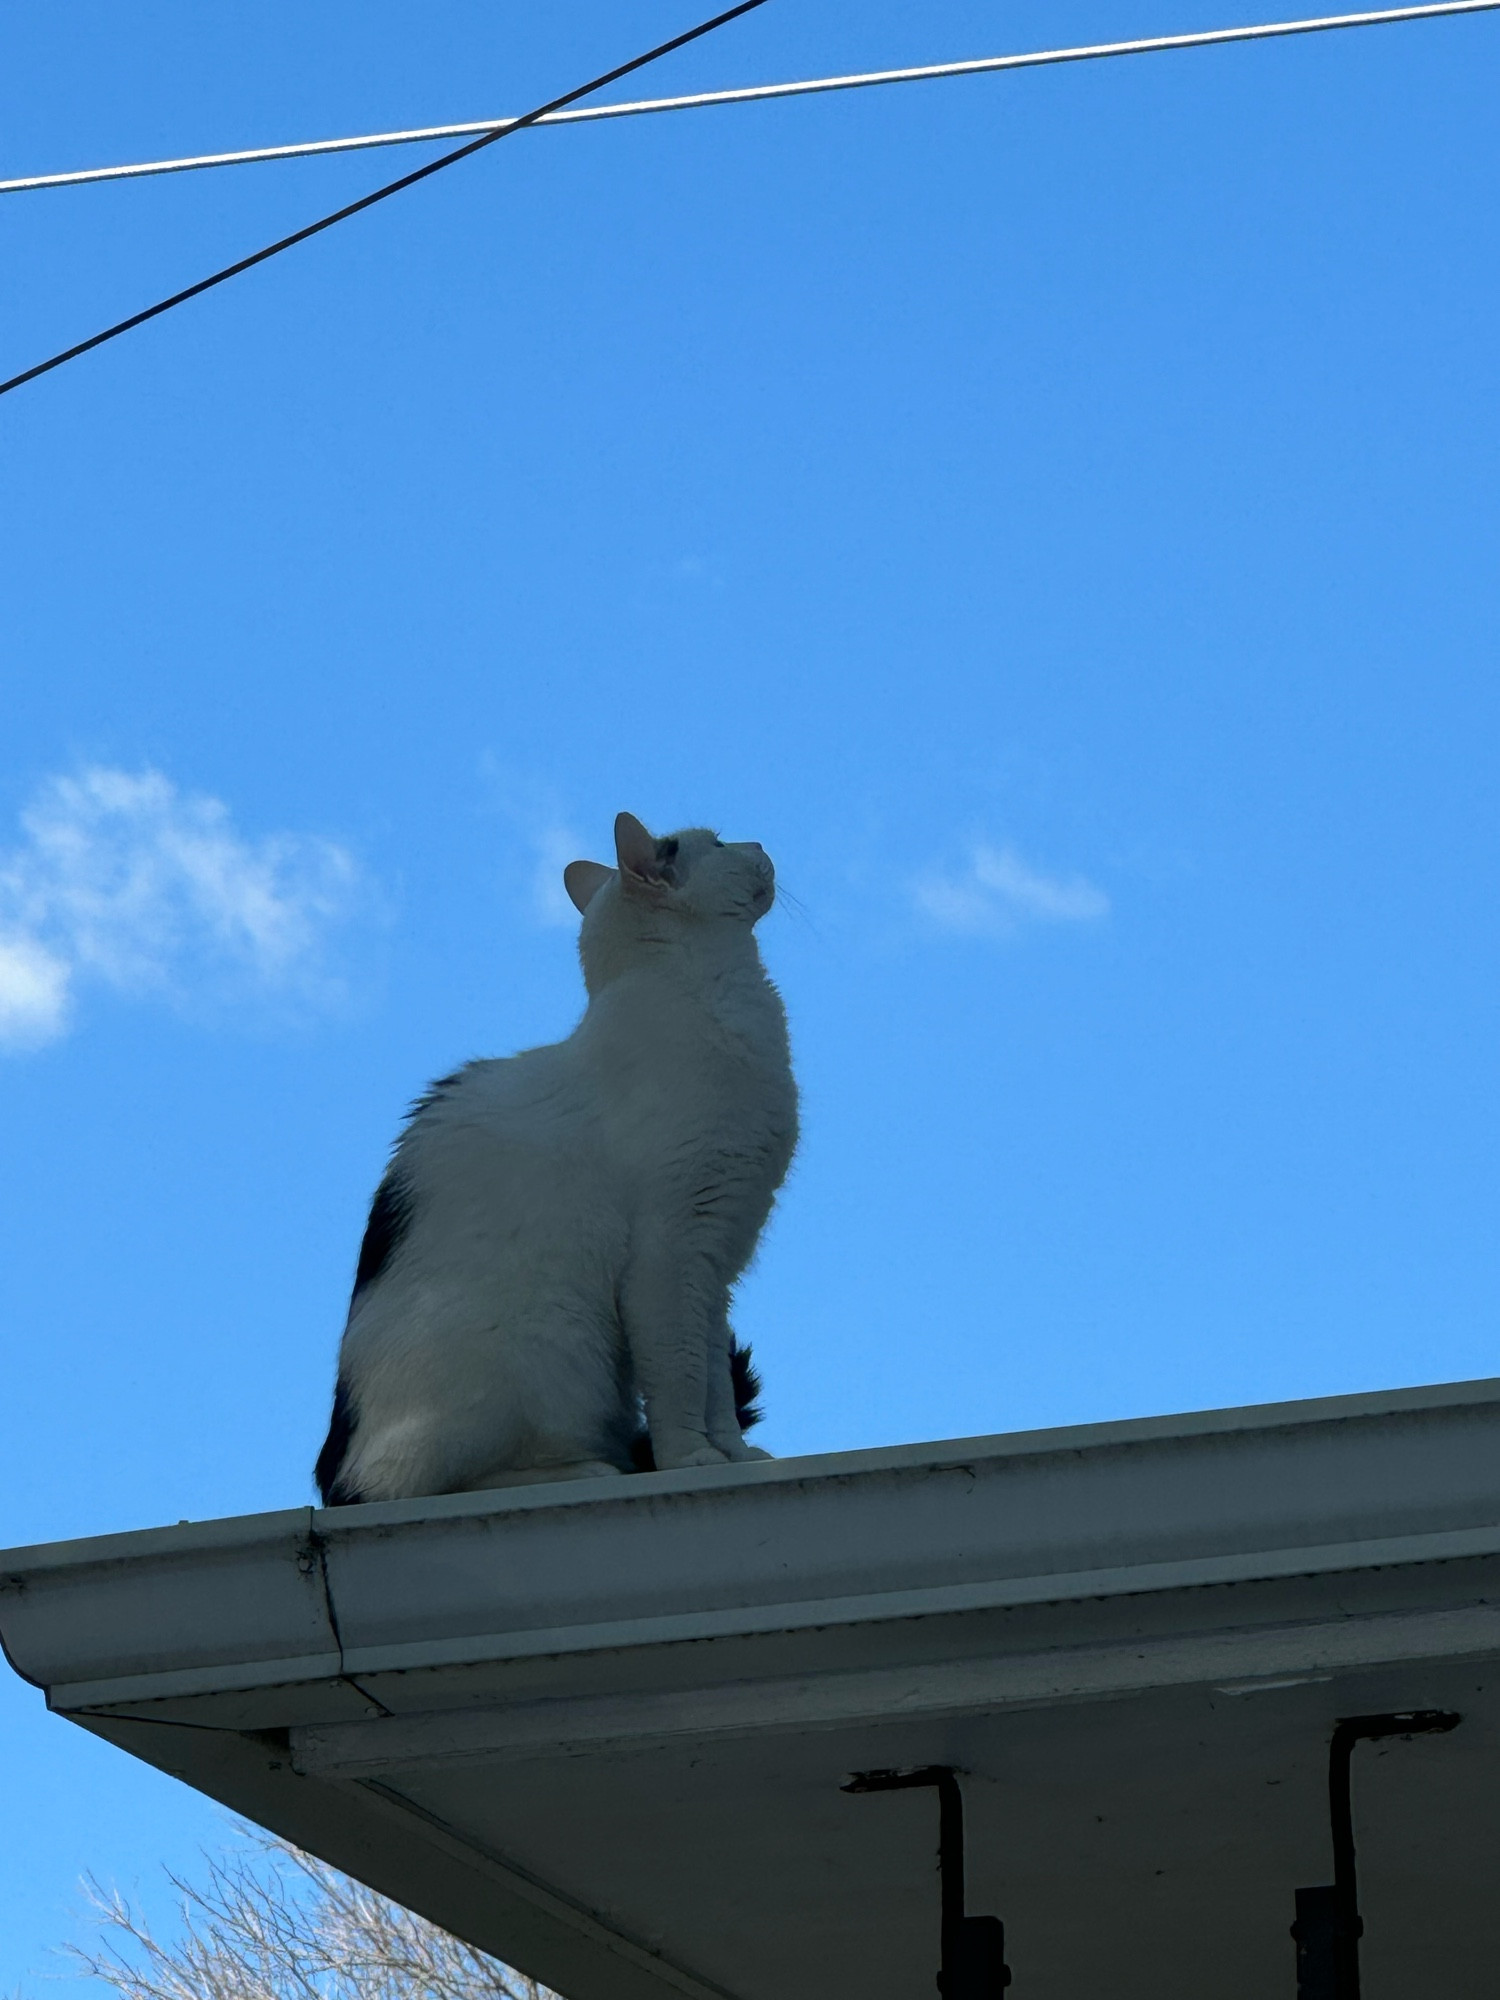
x: 600, y: 1728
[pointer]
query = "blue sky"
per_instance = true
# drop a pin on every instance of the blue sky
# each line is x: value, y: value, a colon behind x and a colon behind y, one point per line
x: 1055, y: 514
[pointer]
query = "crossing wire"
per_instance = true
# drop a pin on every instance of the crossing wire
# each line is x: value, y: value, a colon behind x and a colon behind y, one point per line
x: 500, y: 131
x: 762, y: 92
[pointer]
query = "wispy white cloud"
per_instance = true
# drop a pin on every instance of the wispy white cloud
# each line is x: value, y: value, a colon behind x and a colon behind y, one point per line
x: 121, y: 879
x: 553, y: 845
x: 995, y: 892
x: 33, y: 993
x: 541, y: 843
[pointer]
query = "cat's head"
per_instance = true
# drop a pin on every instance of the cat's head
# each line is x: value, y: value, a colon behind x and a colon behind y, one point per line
x: 679, y: 883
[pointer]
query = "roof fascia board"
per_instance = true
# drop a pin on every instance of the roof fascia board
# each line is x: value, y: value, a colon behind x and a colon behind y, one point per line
x: 1276, y: 1656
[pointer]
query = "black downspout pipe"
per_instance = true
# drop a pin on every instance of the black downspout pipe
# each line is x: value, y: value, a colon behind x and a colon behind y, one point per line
x: 1329, y: 1926
x: 973, y: 1948
x: 950, y: 1868
x: 1348, y: 1923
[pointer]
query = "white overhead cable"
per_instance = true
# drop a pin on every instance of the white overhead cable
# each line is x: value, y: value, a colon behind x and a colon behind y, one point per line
x: 758, y: 93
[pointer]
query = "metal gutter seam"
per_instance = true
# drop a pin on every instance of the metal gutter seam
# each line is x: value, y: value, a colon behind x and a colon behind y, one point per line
x: 317, y: 1545
x: 76, y: 1603
x: 234, y: 1533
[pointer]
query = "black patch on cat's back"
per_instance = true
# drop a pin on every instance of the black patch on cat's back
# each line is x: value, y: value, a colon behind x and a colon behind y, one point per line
x: 391, y: 1210
x: 336, y: 1447
x: 390, y: 1218
x: 434, y: 1094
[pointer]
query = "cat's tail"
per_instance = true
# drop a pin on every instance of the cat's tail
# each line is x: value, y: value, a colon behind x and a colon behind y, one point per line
x: 747, y: 1387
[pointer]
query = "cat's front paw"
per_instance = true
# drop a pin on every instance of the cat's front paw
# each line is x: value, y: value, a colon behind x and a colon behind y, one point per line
x: 676, y: 1454
x: 736, y: 1450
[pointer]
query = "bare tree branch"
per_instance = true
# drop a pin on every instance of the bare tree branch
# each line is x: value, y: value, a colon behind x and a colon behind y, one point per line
x: 269, y: 1922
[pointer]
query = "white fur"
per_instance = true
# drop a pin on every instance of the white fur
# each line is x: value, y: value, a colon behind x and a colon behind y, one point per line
x: 579, y: 1213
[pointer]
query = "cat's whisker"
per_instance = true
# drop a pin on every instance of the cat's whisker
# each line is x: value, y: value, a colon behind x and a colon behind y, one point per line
x: 795, y: 907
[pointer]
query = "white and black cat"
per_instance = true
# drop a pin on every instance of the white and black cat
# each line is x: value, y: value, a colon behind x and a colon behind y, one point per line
x: 552, y: 1249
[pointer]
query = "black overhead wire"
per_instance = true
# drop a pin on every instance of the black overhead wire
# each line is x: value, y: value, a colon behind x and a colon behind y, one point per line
x: 502, y: 131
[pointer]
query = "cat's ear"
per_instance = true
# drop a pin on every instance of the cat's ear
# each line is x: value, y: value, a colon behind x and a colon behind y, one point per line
x: 583, y: 880
x: 639, y: 860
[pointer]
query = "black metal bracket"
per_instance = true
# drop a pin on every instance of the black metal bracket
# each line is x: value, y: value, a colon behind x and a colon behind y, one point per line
x: 1329, y: 1926
x: 973, y: 1948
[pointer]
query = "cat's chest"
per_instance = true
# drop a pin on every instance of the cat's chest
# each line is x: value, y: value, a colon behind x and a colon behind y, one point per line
x: 720, y: 1054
